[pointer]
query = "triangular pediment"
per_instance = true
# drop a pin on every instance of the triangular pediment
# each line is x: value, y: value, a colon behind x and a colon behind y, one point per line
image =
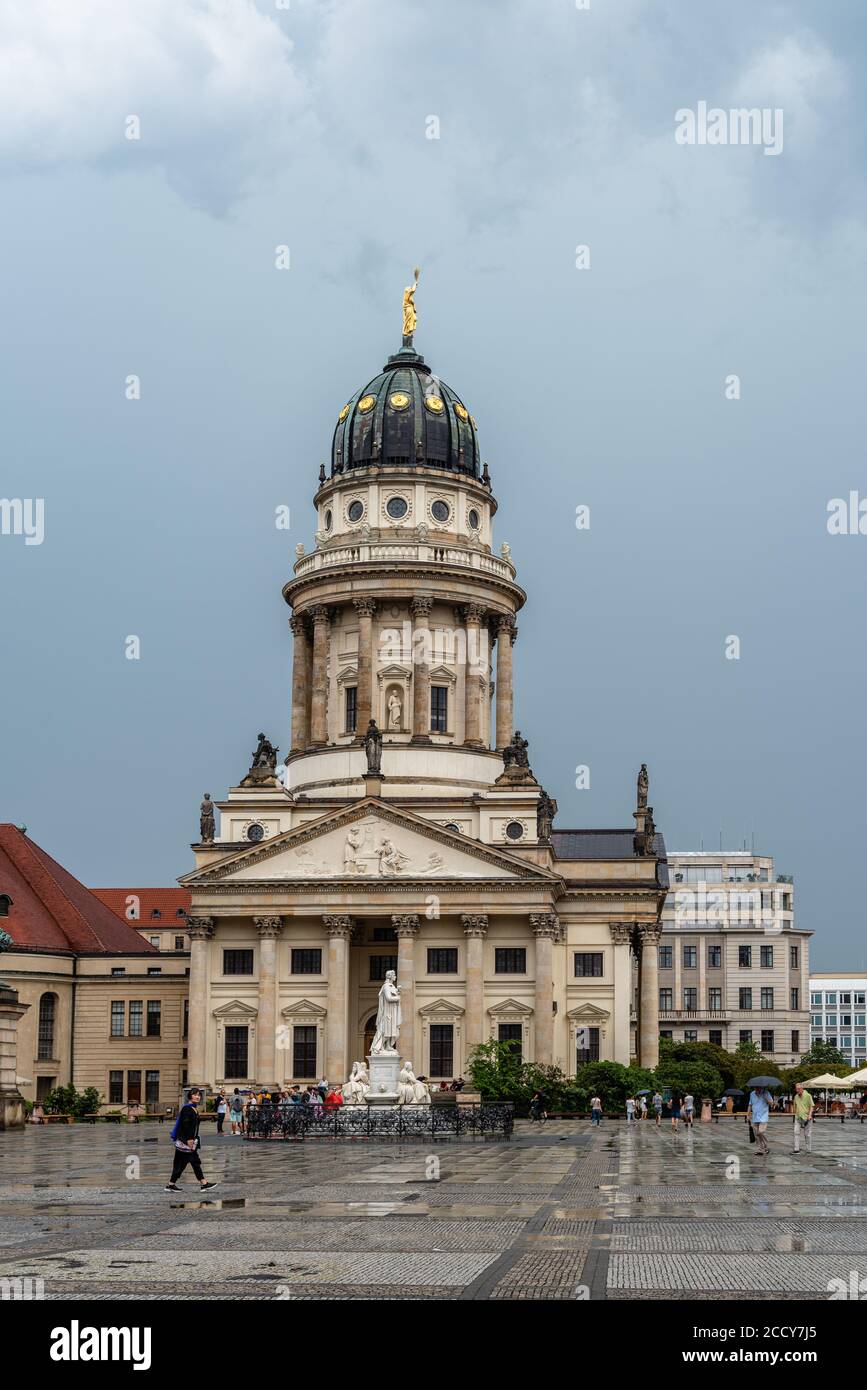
x: 509, y: 1006
x: 442, y: 1006
x: 588, y: 1012
x: 235, y: 1009
x: 303, y: 1007
x: 370, y: 840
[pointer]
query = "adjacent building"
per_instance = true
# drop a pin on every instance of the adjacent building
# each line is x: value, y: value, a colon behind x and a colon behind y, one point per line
x: 106, y: 1008
x: 838, y: 1014
x: 733, y: 967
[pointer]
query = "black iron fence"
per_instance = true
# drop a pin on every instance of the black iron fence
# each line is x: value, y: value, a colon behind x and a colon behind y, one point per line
x: 379, y: 1121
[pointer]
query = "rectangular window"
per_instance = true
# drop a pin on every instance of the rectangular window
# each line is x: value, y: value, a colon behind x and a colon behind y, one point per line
x: 859, y: 1000
x: 745, y: 1035
x: 766, y: 957
x: 690, y: 957
x: 510, y: 960
x: 115, y: 1088
x: 307, y: 961
x: 304, y: 1051
x: 439, y: 709
x: 767, y: 1040
x: 796, y: 1040
x: 588, y: 963
x: 351, y: 709
x: 795, y: 997
x: 745, y: 998
x: 794, y: 956
x: 118, y: 1018
x: 133, y: 1087
x: 690, y: 999
x: 666, y: 957
x: 745, y: 957
x: 237, y: 962
x: 236, y: 1053
x: 380, y: 966
x: 714, y: 998
x: 155, y: 970
x: 152, y: 1087
x: 442, y: 1050
x: 442, y: 960
x: 118, y: 970
x: 384, y: 934
x: 690, y: 1035
x: 179, y: 943
x: 831, y: 997
x: 767, y: 997
x: 846, y: 999
x: 816, y: 1000
x: 831, y: 1020
x: 136, y: 1018
x: 186, y: 1018
x: 715, y: 1036
x: 512, y: 1033
x: 588, y: 1045
x: 714, y: 957
x: 155, y: 1013
x: 666, y: 1003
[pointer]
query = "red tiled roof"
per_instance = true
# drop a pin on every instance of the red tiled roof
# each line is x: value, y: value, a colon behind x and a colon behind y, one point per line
x: 51, y: 910
x: 166, y: 901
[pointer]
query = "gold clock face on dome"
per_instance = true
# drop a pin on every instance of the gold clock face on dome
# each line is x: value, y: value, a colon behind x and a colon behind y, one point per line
x: 366, y: 403
x: 399, y: 400
x: 435, y: 404
x: 343, y: 414
x: 461, y: 412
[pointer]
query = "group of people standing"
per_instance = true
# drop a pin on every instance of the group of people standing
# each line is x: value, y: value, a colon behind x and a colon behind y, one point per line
x: 235, y: 1108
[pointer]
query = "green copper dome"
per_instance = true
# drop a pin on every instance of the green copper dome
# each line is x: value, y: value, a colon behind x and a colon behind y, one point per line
x: 406, y: 417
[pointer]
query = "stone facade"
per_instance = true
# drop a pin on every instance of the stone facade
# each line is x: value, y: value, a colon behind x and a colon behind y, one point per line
x: 403, y: 614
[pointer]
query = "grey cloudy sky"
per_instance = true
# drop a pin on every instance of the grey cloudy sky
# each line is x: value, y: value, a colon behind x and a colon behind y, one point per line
x: 306, y: 126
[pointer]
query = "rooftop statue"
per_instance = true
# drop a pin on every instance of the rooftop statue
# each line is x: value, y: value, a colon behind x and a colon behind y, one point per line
x: 410, y: 317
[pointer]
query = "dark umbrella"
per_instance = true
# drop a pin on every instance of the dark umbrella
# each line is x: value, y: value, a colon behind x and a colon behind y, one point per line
x: 732, y: 1091
x: 642, y: 1093
x: 763, y: 1081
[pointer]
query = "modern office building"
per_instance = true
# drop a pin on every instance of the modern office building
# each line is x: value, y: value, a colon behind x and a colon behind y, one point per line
x: 838, y: 1013
x: 733, y: 967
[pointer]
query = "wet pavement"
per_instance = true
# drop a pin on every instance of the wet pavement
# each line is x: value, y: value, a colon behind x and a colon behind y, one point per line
x: 564, y: 1212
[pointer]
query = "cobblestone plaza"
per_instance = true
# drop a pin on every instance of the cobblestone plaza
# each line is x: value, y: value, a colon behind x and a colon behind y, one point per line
x: 560, y: 1213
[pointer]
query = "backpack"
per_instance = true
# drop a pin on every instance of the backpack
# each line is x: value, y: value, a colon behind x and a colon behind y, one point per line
x: 236, y: 1105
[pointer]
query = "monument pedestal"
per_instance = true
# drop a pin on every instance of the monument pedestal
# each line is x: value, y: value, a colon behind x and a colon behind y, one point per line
x: 383, y: 1069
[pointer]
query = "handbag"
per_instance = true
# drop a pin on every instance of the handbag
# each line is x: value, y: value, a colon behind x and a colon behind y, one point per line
x: 752, y: 1135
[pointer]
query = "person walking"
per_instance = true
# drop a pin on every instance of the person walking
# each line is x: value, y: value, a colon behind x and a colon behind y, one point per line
x: 222, y: 1110
x: 630, y: 1110
x: 803, y: 1110
x: 643, y: 1104
x: 537, y: 1108
x: 657, y: 1108
x: 674, y: 1105
x: 758, y: 1112
x: 688, y: 1110
x: 187, y: 1143
x: 596, y: 1111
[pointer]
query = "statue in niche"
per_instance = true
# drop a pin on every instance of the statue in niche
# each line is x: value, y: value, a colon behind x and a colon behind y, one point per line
x: 206, y: 820
x: 387, y: 1016
x: 391, y: 860
x: 546, y: 810
x: 372, y: 745
x: 395, y: 711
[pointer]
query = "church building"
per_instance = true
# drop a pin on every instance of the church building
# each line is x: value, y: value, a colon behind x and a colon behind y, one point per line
x: 406, y: 829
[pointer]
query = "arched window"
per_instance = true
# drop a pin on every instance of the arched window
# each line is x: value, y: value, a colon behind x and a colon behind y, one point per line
x: 47, y: 1015
x: 5, y: 904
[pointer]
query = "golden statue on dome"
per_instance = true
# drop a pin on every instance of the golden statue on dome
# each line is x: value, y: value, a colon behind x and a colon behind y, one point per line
x: 410, y: 317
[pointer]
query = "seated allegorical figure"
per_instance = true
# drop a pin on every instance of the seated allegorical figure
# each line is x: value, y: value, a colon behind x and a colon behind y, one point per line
x: 356, y: 1089
x: 410, y: 1090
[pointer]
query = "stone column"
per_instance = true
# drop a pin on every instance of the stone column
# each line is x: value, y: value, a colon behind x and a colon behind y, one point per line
x: 339, y: 931
x: 200, y: 930
x: 621, y: 936
x: 648, y: 1052
x: 506, y: 634
x: 407, y: 929
x: 475, y: 930
x: 420, y: 609
x: 546, y: 930
x: 365, y: 607
x: 473, y: 678
x: 12, y: 1114
x: 270, y: 929
x: 300, y: 683
x: 319, y: 721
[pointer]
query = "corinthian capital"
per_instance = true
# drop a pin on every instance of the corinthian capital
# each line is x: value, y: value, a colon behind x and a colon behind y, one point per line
x: 338, y: 926
x: 421, y: 607
x: 474, y: 924
x: 406, y: 925
x: 199, y: 928
x: 268, y: 926
x: 365, y: 607
x: 545, y: 924
x: 649, y: 933
x: 621, y: 933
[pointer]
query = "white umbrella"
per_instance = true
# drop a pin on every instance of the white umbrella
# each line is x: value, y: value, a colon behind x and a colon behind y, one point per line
x: 831, y: 1083
x: 858, y: 1078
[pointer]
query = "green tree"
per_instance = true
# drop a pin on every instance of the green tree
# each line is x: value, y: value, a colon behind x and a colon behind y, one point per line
x: 697, y: 1077
x: 823, y: 1056
x: 725, y: 1063
x: 611, y: 1081
x: 66, y: 1100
